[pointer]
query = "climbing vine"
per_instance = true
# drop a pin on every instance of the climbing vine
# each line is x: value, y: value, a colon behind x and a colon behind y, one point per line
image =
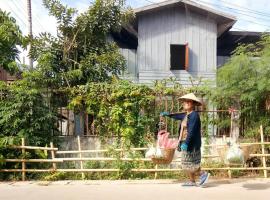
x: 123, y: 109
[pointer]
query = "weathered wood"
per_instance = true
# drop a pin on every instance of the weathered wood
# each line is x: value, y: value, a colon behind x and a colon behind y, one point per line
x: 34, y: 160
x: 26, y: 170
x: 32, y: 147
x: 97, y: 151
x: 88, y: 170
x: 105, y: 159
x: 80, y: 154
x: 133, y: 170
x: 53, y: 156
x: 23, y: 162
x: 241, y: 144
x: 263, y: 151
x: 144, y: 148
x: 156, y: 167
x: 229, y: 173
x: 58, y: 160
x: 175, y: 25
x: 54, y: 160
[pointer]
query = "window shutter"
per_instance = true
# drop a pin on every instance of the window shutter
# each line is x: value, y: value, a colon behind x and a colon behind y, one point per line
x: 186, y: 57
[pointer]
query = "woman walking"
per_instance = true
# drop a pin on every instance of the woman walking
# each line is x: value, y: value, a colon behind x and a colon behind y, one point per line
x: 190, y: 139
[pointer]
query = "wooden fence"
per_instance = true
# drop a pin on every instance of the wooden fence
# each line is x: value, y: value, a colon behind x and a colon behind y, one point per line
x: 54, y: 159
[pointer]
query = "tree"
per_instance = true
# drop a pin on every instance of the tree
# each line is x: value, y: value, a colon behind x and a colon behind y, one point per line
x: 10, y: 37
x: 24, y: 113
x: 243, y: 82
x: 81, y: 52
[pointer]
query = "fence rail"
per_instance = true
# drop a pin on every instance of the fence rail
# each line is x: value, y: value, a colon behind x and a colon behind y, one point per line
x: 55, y: 152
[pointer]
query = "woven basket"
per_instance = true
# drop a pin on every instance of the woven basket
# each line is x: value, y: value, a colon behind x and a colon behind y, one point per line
x: 247, y: 150
x: 167, y: 159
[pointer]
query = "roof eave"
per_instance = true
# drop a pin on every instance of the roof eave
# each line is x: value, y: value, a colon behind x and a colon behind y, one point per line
x: 188, y: 2
x: 222, y: 28
x: 224, y: 21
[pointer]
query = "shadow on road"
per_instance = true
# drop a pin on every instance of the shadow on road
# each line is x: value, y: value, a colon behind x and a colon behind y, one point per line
x: 256, y: 186
x: 216, y: 183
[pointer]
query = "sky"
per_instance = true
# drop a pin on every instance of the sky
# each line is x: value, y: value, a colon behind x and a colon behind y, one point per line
x: 252, y: 15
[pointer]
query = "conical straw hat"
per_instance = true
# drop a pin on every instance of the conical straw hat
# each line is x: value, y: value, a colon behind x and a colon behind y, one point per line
x: 192, y: 97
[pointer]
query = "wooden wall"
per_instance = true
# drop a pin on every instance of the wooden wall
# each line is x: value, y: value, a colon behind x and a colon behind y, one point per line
x: 157, y: 30
x: 4, y: 76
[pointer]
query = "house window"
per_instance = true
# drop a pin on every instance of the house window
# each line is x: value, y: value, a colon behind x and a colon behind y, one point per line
x: 179, y: 57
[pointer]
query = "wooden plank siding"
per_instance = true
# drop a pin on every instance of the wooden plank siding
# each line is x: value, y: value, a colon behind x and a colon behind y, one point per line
x: 158, y: 29
x: 131, y: 72
x: 149, y: 76
x: 6, y: 77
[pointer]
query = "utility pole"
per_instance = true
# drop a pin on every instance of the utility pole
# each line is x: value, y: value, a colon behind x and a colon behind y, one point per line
x: 30, y: 31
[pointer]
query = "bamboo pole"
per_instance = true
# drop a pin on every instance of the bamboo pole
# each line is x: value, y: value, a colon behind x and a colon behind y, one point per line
x: 26, y: 170
x: 144, y: 148
x: 58, y: 160
x: 98, y: 151
x: 53, y: 156
x: 133, y: 170
x: 61, y: 120
x: 34, y: 160
x: 229, y: 173
x: 32, y: 147
x: 166, y: 109
x: 87, y: 125
x: 104, y: 159
x: 263, y: 152
x: 81, y: 159
x: 68, y: 121
x: 23, y: 162
x: 172, y: 121
x: 156, y: 167
x: 259, y: 155
x: 231, y: 128
x: 79, y: 148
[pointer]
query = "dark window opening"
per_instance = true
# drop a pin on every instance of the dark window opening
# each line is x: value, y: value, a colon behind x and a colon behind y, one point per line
x: 179, y: 57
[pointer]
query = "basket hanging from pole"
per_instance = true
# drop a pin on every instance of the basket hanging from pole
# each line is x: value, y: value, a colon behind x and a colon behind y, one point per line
x: 166, y: 159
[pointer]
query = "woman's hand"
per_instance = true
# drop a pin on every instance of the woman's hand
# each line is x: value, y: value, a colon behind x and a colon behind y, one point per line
x: 164, y: 114
x: 184, y: 147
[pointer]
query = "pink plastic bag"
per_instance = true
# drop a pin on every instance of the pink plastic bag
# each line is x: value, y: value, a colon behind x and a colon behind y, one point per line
x: 162, y: 138
x: 165, y: 142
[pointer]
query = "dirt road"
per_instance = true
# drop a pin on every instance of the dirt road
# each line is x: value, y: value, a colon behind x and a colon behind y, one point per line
x: 257, y: 189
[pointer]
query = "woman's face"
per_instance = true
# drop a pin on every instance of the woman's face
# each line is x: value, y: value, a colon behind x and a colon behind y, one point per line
x: 188, y: 105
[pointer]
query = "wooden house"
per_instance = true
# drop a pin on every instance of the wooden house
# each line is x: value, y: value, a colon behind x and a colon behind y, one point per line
x: 174, y: 38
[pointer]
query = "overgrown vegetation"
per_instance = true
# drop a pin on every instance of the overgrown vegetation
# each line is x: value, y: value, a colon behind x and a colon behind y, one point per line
x: 80, y: 54
x: 80, y: 67
x: 243, y: 83
x: 10, y: 38
x: 24, y: 113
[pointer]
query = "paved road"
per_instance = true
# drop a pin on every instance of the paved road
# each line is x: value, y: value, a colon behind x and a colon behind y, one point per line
x: 257, y: 189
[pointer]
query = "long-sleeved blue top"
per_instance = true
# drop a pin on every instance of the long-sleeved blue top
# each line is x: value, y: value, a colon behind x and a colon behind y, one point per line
x: 193, y: 139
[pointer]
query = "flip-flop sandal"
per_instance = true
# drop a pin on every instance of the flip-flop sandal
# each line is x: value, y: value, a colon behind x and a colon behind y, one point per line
x: 189, y: 184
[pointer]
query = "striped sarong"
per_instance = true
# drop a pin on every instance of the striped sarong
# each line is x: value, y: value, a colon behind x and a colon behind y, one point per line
x: 191, y: 161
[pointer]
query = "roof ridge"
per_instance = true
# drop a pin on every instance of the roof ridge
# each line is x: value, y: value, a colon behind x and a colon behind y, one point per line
x: 188, y: 2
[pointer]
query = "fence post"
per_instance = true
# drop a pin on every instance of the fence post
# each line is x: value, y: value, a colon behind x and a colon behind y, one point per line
x: 53, y: 156
x: 23, y: 162
x: 166, y: 109
x: 229, y: 173
x: 156, y: 167
x: 263, y: 152
x: 172, y: 110
x: 80, y: 154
